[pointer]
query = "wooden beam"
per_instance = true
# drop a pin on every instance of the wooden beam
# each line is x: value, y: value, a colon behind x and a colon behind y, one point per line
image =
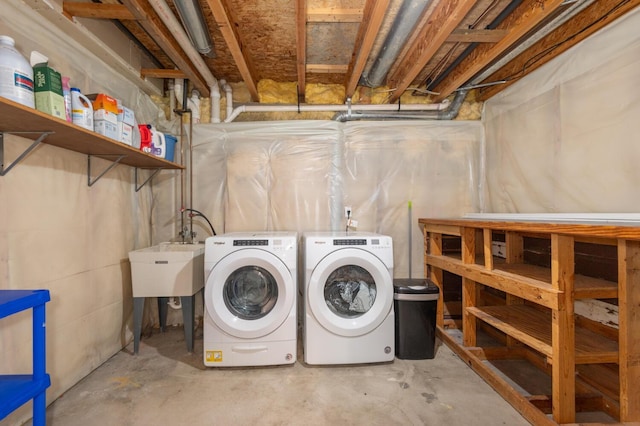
x: 374, y: 12
x: 301, y: 47
x: 327, y: 69
x: 525, y: 18
x: 563, y: 381
x: 161, y: 73
x: 97, y: 11
x: 437, y: 27
x: 469, y: 288
x: 476, y: 36
x: 153, y: 25
x: 629, y: 320
x: 334, y: 14
x: 234, y: 43
x: 598, y: 15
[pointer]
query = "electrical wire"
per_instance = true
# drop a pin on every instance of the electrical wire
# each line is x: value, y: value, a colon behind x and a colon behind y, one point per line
x: 538, y: 57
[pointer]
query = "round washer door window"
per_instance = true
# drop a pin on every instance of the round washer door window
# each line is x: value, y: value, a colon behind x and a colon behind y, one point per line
x: 250, y: 292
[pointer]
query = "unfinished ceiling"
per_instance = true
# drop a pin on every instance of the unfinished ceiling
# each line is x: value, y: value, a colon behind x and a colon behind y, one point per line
x: 425, y: 47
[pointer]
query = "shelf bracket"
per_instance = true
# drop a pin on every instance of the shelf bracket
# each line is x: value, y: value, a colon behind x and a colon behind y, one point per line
x: 138, y: 188
x: 4, y: 170
x: 111, y: 166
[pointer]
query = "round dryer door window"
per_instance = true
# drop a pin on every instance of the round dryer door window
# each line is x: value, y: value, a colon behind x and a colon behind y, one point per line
x: 350, y: 292
x: 249, y: 293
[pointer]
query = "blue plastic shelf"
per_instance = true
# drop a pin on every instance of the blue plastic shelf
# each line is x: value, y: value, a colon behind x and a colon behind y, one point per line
x: 16, y: 390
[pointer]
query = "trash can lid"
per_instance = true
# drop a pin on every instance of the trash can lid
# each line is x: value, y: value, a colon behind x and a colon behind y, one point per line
x: 414, y: 289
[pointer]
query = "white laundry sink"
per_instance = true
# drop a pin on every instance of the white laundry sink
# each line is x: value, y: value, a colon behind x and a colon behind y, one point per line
x: 167, y: 270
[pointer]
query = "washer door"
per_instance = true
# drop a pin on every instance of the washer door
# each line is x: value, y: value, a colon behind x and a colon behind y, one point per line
x: 350, y: 292
x: 249, y: 293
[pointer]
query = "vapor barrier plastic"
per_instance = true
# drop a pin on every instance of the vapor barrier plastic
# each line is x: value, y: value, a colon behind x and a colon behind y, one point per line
x: 299, y: 175
x: 565, y: 138
x: 67, y: 56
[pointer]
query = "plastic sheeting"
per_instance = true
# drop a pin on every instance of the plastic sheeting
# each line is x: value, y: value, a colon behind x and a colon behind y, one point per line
x: 299, y: 175
x: 565, y: 138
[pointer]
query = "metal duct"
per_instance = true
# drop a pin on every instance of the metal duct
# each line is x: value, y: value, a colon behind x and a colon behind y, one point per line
x: 193, y: 21
x: 404, y: 23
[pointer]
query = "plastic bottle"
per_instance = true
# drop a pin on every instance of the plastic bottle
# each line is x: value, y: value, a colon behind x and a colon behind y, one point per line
x: 16, y: 74
x: 81, y: 109
x: 66, y: 92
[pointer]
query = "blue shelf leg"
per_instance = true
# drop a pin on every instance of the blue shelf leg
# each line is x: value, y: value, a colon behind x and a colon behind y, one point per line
x: 39, y: 363
x: 163, y: 308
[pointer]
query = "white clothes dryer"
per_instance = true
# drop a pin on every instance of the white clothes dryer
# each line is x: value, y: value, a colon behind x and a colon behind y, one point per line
x: 348, y: 298
x: 250, y: 299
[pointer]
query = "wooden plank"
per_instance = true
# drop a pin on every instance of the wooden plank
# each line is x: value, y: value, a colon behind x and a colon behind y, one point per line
x: 514, y: 254
x: 525, y: 19
x: 374, y: 12
x: 534, y: 328
x: 486, y: 241
x: 161, y: 73
x: 301, y: 48
x: 584, y: 287
x: 563, y: 334
x: 443, y: 229
x: 327, y: 69
x: 469, y: 288
x: 469, y: 35
x: 595, y: 17
x: 436, y: 28
x: 229, y: 31
x: 518, y: 401
x: 497, y: 353
x: 151, y: 22
x: 629, y: 322
x: 97, y: 11
x: 605, y: 231
x: 434, y: 245
x: 333, y: 14
x: 530, y: 289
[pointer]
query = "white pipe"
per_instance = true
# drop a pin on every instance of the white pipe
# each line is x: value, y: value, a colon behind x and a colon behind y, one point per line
x: 215, y: 104
x: 173, y: 25
x: 333, y: 108
x: 175, y: 303
x: 229, y: 96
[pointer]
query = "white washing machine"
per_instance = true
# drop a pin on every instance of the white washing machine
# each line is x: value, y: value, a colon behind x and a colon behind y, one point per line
x: 250, y: 299
x: 348, y: 298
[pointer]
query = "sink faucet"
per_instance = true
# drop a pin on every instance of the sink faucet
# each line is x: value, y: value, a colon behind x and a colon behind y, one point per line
x: 190, y: 235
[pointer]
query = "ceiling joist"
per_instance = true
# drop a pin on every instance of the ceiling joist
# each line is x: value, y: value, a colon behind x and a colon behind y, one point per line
x: 518, y: 25
x: 234, y: 43
x: 593, y: 18
x: 334, y: 15
x: 97, y: 11
x: 438, y: 26
x: 476, y: 36
x: 374, y: 12
x: 150, y: 21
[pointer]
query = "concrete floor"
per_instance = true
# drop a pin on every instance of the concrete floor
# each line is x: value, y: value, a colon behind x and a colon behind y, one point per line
x: 164, y: 384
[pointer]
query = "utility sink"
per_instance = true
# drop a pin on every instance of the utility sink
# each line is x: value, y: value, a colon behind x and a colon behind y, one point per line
x: 167, y: 270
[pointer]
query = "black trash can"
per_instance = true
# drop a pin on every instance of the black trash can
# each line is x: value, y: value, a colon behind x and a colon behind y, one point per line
x: 415, y: 303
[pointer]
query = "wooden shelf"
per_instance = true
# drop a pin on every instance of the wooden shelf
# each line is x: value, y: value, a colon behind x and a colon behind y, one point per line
x: 15, y: 117
x: 532, y: 327
x: 533, y: 311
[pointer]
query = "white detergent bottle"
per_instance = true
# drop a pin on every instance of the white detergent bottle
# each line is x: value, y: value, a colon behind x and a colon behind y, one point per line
x: 81, y: 109
x: 16, y: 74
x: 158, y: 142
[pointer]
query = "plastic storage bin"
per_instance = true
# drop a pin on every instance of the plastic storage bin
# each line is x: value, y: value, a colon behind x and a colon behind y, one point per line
x: 415, y: 307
